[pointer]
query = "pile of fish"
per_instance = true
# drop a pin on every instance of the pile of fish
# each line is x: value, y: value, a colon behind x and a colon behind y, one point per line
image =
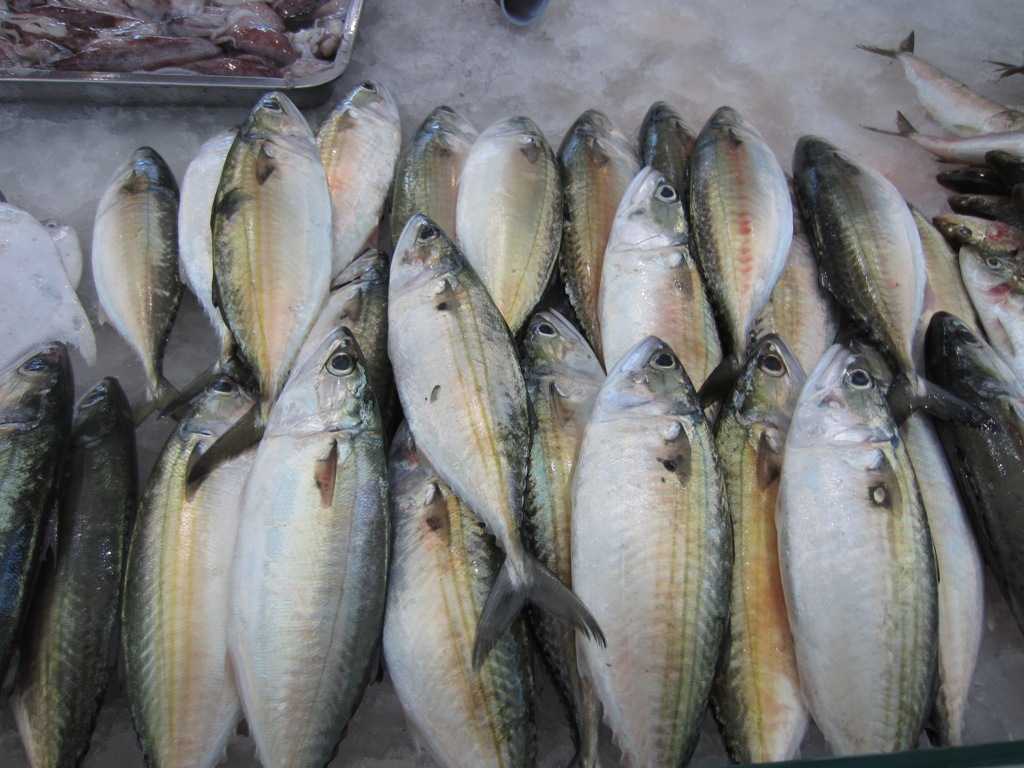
x: 703, y: 435
x: 254, y: 38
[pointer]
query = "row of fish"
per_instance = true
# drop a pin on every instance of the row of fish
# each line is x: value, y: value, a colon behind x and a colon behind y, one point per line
x: 258, y: 38
x: 538, y: 446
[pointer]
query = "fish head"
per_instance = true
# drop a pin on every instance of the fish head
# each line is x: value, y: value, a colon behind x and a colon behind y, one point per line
x: 370, y: 266
x: 221, y: 404
x: 101, y: 410
x: 767, y: 390
x: 329, y: 391
x: 984, y: 234
x: 423, y: 253
x: 877, y: 363
x: 447, y: 125
x: 649, y: 380
x: 25, y: 385
x: 651, y: 210
x: 273, y: 115
x: 814, y: 157
x: 991, y: 275
x: 553, y: 345
x: 596, y: 135
x: 958, y: 358
x: 148, y: 170
x: 368, y: 103
x: 841, y: 402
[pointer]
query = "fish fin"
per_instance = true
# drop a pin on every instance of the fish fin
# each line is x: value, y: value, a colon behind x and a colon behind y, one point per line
x: 1006, y: 69
x: 266, y: 164
x: 718, y: 383
x: 503, y: 604
x: 903, y: 125
x: 325, y: 473
x: 769, y: 461
x: 883, y: 131
x: 11, y: 673
x: 154, y: 400
x: 245, y: 432
x: 928, y: 397
x: 906, y: 46
x: 551, y: 595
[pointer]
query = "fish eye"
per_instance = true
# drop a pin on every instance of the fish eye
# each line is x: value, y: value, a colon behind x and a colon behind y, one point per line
x: 859, y: 378
x: 272, y: 104
x: 546, y: 329
x: 341, y: 364
x: 966, y: 336
x: 664, y: 360
x: 772, y: 364
x: 368, y: 86
x: 223, y: 385
x: 992, y: 262
x: 35, y: 365
x: 97, y: 396
x: 427, y: 233
x: 666, y: 192
x: 964, y: 232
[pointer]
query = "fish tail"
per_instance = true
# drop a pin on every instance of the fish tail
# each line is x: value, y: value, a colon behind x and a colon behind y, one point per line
x: 903, y: 125
x: 156, y: 398
x: 906, y: 397
x: 540, y: 587
x: 245, y: 432
x: 906, y: 46
x: 1006, y: 69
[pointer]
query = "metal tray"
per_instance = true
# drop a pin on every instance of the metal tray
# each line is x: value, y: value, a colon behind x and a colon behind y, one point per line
x: 145, y: 88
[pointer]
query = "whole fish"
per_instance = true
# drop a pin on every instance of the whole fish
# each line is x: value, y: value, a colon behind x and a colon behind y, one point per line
x: 359, y: 141
x: 177, y: 586
x: 987, y: 461
x: 463, y: 394
x: 509, y: 215
x: 563, y: 376
x: 273, y: 199
x: 976, y: 180
x: 652, y: 555
x: 800, y: 309
x: 858, y: 569
x: 741, y: 216
x: 195, y: 234
x: 35, y: 421
x: 67, y: 650
x: 651, y: 284
x: 37, y: 301
x: 964, y: 149
x: 756, y: 697
x: 998, y: 207
x: 597, y: 165
x: 310, y: 567
x: 666, y: 143
x: 135, y: 265
x: 955, y: 106
x: 68, y: 247
x: 428, y: 172
x: 443, y: 567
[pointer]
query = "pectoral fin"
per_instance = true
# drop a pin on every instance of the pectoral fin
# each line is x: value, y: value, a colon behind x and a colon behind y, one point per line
x: 325, y: 473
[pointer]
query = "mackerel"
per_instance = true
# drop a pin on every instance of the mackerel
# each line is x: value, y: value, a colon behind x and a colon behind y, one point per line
x: 666, y: 142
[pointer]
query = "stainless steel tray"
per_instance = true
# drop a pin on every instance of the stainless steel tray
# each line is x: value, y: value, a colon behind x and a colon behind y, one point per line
x: 145, y: 88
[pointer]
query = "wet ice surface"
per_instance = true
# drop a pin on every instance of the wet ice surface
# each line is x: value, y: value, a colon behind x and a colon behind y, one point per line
x: 789, y: 68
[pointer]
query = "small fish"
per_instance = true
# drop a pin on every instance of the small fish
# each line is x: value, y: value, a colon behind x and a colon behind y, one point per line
x: 966, y: 149
x: 972, y: 180
x: 955, y: 106
x: 995, y: 283
x: 135, y: 265
x: 997, y: 207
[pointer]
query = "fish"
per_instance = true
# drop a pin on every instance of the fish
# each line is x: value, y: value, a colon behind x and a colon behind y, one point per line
x: 359, y: 140
x: 37, y: 301
x: 135, y: 265
x: 1009, y: 166
x: 741, y: 219
x: 563, y: 376
x: 309, y: 573
x: 651, y: 283
x: 756, y: 697
x: 195, y: 233
x: 508, y: 215
x: 68, y: 644
x: 651, y: 555
x: 987, y: 460
x: 443, y: 566
x: 174, y: 623
x: 273, y: 198
x: 666, y: 142
x: 597, y: 165
x: 69, y: 248
x: 857, y: 563
x: 951, y: 103
x: 428, y: 172
x: 799, y: 309
x: 984, y: 235
x: 975, y: 180
x: 36, y: 399
x: 462, y: 391
x: 964, y: 149
x: 998, y: 207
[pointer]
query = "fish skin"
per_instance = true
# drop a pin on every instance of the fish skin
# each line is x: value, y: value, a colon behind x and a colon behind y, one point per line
x: 462, y: 391
x: 176, y: 596
x: 799, y: 309
x: 666, y: 142
x: 428, y: 171
x: 994, y: 284
x: 951, y: 103
x: 37, y: 302
x: 596, y: 164
x: 998, y: 207
x: 741, y: 220
x: 986, y: 461
x: 36, y: 398
x: 756, y: 697
x: 309, y: 574
x: 652, y: 555
x: 509, y: 214
x: 988, y: 237
x: 868, y: 246
x: 651, y: 283
x: 65, y: 656
x: 971, y: 150
x: 443, y: 567
x: 359, y: 140
x: 135, y: 264
x: 857, y: 563
x: 195, y: 233
x: 978, y: 180
x: 563, y: 376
